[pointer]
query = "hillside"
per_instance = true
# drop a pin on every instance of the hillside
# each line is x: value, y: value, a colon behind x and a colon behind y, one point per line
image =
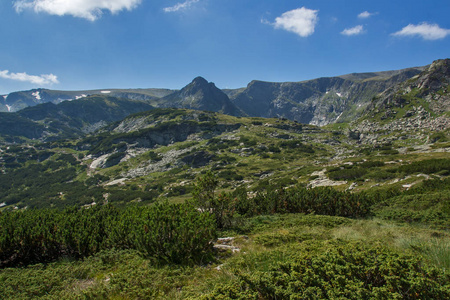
x: 289, y: 202
x: 67, y: 119
x: 16, y: 101
x: 320, y: 101
x: 117, y: 199
x: 411, y: 109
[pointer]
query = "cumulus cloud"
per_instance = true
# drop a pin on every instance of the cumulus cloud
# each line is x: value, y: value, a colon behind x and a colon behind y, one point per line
x: 353, y: 31
x: 180, y: 6
x: 301, y: 21
x: 424, y: 30
x: 44, y: 79
x: 87, y: 9
x: 365, y: 15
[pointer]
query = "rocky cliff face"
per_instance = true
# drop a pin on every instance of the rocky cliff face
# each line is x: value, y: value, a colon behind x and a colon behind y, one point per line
x: 413, y: 108
x: 320, y: 101
x: 432, y: 85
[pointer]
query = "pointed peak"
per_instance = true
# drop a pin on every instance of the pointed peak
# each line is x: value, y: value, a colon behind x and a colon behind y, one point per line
x: 199, y: 80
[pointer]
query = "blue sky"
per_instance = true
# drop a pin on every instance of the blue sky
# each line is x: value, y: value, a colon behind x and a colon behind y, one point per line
x: 90, y: 44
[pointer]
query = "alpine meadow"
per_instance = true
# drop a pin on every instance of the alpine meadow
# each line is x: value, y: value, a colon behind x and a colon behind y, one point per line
x: 336, y: 187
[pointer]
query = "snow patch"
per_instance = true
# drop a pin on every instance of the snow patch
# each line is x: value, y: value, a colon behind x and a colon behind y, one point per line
x: 82, y: 96
x: 339, y: 94
x: 8, y: 107
x: 105, y: 92
x: 339, y: 116
x: 5, y: 96
x: 2, y: 204
x: 37, y: 95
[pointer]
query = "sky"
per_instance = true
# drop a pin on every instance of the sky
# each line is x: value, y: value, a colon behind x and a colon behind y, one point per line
x: 99, y: 44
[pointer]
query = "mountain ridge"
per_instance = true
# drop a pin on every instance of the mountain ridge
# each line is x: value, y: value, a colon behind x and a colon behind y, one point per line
x: 319, y: 101
x: 67, y: 119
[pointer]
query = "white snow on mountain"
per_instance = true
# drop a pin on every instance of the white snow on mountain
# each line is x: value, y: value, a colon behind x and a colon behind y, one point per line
x: 37, y: 95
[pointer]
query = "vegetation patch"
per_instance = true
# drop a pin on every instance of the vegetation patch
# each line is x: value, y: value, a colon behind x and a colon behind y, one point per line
x: 352, y: 271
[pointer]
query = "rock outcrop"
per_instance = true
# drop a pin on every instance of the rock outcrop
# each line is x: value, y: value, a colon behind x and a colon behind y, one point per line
x: 416, y: 107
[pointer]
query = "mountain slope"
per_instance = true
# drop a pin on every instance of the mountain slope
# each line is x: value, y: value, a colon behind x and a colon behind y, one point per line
x: 19, y: 100
x: 412, y: 109
x: 320, y: 101
x: 200, y: 95
x: 432, y: 85
x: 69, y: 118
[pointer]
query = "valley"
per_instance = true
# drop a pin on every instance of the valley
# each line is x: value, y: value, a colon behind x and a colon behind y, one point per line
x: 342, y: 180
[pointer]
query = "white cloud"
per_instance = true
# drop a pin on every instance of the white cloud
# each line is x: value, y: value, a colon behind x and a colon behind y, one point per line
x: 87, y: 9
x: 301, y: 21
x: 353, y: 31
x: 44, y: 79
x: 180, y: 6
x: 365, y: 15
x: 424, y: 30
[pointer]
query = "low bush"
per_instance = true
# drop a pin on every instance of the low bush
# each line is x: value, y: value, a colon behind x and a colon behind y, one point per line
x: 380, y: 175
x: 347, y: 174
x: 298, y: 199
x: 352, y: 271
x: 177, y: 234
x: 427, y: 166
x: 372, y: 164
x: 432, y: 208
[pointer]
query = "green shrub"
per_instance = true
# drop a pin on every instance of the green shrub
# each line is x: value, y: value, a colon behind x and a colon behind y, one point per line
x: 371, y: 164
x: 431, y: 208
x: 427, y: 166
x: 347, y: 174
x: 114, y: 158
x: 319, y: 200
x: 380, y: 175
x: 167, y: 233
x: 438, y: 137
x: 222, y: 207
x: 152, y: 156
x: 341, y: 272
x: 230, y: 175
x: 293, y: 144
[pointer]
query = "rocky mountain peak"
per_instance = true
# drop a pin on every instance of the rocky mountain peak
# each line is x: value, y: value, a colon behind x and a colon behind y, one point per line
x: 436, y: 76
x: 199, y: 81
x: 202, y: 95
x: 199, y: 85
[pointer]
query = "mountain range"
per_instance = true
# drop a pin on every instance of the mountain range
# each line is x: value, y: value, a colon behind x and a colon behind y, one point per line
x: 48, y: 114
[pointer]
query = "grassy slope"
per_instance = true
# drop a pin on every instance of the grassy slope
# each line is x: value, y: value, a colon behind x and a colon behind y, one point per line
x: 414, y: 225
